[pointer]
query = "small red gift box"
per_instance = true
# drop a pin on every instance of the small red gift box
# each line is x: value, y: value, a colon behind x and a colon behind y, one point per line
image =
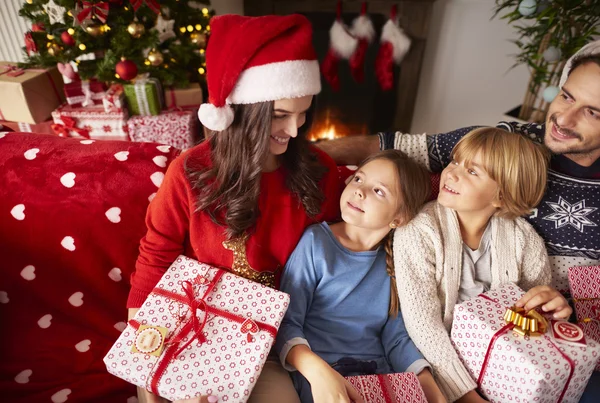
x: 175, y: 128
x: 114, y: 98
x: 85, y: 93
x: 201, y: 331
x: 390, y: 388
x: 584, y: 282
x: 507, y: 366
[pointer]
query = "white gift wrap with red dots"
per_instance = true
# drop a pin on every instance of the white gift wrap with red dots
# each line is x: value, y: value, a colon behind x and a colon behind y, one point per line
x: 226, y: 364
x: 401, y: 387
x: 519, y: 368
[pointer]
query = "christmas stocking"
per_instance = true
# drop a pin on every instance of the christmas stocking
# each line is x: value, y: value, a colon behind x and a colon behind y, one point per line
x: 394, y: 46
x: 341, y: 46
x: 363, y: 31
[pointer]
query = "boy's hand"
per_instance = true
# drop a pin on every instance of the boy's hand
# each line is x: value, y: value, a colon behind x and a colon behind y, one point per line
x: 549, y: 299
x: 330, y: 387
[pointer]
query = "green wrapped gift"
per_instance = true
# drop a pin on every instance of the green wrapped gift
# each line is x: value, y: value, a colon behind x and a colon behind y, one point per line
x: 144, y: 97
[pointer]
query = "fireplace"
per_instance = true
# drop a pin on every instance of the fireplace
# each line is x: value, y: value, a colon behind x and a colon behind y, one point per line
x: 360, y: 108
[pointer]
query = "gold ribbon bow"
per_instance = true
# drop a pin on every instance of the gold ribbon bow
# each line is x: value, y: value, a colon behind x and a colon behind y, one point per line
x: 530, y: 323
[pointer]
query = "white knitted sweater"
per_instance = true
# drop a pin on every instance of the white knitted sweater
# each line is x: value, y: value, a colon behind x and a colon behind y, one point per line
x: 428, y: 263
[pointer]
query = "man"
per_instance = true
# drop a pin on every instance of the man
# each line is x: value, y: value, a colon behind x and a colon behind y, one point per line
x: 568, y: 217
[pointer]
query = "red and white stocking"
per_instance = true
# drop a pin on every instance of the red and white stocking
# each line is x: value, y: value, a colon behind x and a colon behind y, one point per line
x: 363, y: 31
x: 394, y: 46
x: 341, y: 46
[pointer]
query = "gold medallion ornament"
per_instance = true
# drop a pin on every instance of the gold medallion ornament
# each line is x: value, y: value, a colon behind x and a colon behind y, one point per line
x: 94, y: 29
x: 242, y: 267
x: 149, y: 340
x: 136, y: 29
x: 155, y: 57
x: 54, y: 49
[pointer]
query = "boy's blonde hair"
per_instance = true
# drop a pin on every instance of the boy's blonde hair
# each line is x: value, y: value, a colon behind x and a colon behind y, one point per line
x: 517, y: 164
x: 415, y: 190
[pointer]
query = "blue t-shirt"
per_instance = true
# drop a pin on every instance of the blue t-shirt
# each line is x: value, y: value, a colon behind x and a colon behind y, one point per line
x: 339, y: 306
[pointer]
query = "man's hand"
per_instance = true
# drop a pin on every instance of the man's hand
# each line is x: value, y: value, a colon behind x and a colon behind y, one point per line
x: 549, y: 299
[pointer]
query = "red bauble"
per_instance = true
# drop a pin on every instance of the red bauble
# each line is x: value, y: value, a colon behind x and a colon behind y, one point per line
x: 67, y: 38
x: 38, y: 27
x: 126, y: 69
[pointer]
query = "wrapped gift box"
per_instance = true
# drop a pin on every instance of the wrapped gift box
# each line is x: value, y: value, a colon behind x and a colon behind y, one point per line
x: 584, y: 282
x: 29, y: 96
x: 91, y: 122
x: 175, y: 128
x: 39, y: 128
x: 202, y: 331
x: 390, y: 388
x: 114, y: 98
x: 85, y: 93
x: 184, y: 98
x: 144, y: 97
x: 508, y: 365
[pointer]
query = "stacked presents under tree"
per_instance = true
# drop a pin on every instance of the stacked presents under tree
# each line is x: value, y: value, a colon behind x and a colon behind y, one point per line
x: 34, y: 101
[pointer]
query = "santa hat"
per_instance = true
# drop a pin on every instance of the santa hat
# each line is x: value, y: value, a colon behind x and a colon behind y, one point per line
x: 257, y: 59
x: 591, y: 49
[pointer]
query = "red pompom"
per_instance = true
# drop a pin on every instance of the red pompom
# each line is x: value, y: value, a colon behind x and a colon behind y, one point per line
x: 38, y: 27
x: 67, y: 38
x: 126, y: 69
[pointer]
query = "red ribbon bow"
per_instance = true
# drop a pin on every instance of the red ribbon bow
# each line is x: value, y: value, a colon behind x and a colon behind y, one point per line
x: 69, y: 126
x: 30, y: 44
x: 12, y: 71
x: 153, y: 4
x: 100, y: 10
x: 193, y: 322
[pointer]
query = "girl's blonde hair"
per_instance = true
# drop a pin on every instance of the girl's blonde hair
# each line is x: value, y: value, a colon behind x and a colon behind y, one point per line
x: 517, y: 164
x: 415, y: 190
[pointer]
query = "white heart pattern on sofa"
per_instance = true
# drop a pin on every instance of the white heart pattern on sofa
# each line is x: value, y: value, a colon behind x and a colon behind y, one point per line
x: 45, y: 321
x: 160, y: 160
x: 115, y: 274
x: 61, y: 396
x: 68, y: 179
x: 157, y: 178
x: 4, y: 297
x: 76, y: 299
x: 68, y: 243
x: 28, y: 273
x: 18, y: 212
x: 113, y: 214
x: 164, y: 149
x: 122, y: 155
x: 23, y: 376
x: 31, y: 154
x: 83, y: 346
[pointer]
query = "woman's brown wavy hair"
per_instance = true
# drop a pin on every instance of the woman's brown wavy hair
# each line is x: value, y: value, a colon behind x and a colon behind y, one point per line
x: 229, y: 190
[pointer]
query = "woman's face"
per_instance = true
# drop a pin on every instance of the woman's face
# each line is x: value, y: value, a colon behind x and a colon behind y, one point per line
x: 288, y: 116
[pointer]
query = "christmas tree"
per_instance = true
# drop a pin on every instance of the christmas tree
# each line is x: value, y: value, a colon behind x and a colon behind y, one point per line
x: 550, y: 32
x: 115, y: 40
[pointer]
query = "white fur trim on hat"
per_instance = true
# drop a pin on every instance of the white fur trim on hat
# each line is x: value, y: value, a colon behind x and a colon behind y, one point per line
x: 592, y: 48
x: 273, y: 81
x: 342, y: 41
x: 395, y: 35
x: 215, y: 118
x: 362, y: 28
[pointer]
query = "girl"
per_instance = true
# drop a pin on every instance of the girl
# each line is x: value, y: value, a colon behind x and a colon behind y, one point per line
x: 343, y: 313
x: 242, y: 199
x: 470, y: 240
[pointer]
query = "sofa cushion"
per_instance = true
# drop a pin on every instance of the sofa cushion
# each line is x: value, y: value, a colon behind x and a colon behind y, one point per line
x: 71, y: 217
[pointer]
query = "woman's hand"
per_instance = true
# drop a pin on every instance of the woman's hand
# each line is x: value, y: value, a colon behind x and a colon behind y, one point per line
x: 328, y: 386
x: 549, y: 299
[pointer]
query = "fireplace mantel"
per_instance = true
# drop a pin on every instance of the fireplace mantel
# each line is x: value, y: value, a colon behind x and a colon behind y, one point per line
x: 414, y: 16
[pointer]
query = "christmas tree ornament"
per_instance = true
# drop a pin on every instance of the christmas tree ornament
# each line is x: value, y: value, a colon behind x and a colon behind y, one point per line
x: 152, y: 4
x: 94, y: 30
x: 527, y: 7
x: 394, y: 46
x: 30, y: 44
x: 67, y: 39
x: 56, y: 13
x: 90, y: 10
x: 54, y: 49
x: 136, y: 29
x: 198, y: 38
x: 550, y: 93
x: 38, y: 27
x: 552, y: 54
x: 342, y: 45
x: 164, y: 28
x: 155, y: 57
x: 68, y: 72
x: 126, y: 69
x: 362, y: 29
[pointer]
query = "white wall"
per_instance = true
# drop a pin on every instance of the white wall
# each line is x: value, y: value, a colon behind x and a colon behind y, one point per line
x: 465, y: 78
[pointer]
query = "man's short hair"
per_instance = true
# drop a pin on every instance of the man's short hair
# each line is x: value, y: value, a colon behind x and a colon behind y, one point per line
x: 584, y: 59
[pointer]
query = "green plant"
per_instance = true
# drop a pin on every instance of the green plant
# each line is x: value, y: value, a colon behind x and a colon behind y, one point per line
x: 547, y: 38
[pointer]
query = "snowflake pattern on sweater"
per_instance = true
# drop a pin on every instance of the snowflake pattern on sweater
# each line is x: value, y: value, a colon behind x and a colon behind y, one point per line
x: 567, y: 218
